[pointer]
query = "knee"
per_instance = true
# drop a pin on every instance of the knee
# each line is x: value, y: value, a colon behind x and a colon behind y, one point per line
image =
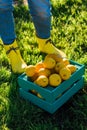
x: 41, y: 14
x: 45, y: 13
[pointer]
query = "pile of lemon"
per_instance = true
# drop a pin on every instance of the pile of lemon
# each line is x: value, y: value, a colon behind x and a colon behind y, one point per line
x: 52, y: 71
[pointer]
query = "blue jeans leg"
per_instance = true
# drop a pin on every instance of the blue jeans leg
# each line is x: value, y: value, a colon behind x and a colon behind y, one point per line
x: 7, y: 31
x: 41, y: 16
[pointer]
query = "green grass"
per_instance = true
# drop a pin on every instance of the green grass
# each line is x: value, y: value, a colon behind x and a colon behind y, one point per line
x: 69, y: 32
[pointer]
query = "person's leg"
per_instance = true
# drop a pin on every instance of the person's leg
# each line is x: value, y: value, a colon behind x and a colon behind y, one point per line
x: 8, y: 36
x: 7, y: 32
x: 40, y: 11
x: 41, y: 16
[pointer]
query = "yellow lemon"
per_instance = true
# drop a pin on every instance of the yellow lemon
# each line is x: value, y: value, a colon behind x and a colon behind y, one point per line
x: 42, y: 81
x: 49, y: 63
x: 39, y: 95
x: 30, y: 70
x: 39, y: 65
x: 65, y: 73
x: 72, y: 68
x: 54, y: 80
x: 44, y: 71
x: 58, y: 66
x: 56, y: 57
x: 33, y: 92
x: 66, y: 61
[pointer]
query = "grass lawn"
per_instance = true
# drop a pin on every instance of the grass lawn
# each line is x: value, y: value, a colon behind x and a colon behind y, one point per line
x: 69, y: 32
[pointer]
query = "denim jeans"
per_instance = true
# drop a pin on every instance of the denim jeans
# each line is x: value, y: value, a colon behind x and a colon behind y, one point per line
x: 41, y: 16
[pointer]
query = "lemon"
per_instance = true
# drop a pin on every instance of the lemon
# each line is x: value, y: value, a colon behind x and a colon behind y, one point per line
x: 58, y: 66
x: 56, y: 57
x: 30, y: 70
x: 49, y: 63
x: 42, y: 81
x: 65, y: 73
x: 39, y: 65
x: 54, y: 80
x: 66, y: 61
x: 72, y: 68
x: 44, y: 71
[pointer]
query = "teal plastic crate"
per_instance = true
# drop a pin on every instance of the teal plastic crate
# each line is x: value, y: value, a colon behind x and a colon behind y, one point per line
x: 52, y: 107
x: 50, y: 94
